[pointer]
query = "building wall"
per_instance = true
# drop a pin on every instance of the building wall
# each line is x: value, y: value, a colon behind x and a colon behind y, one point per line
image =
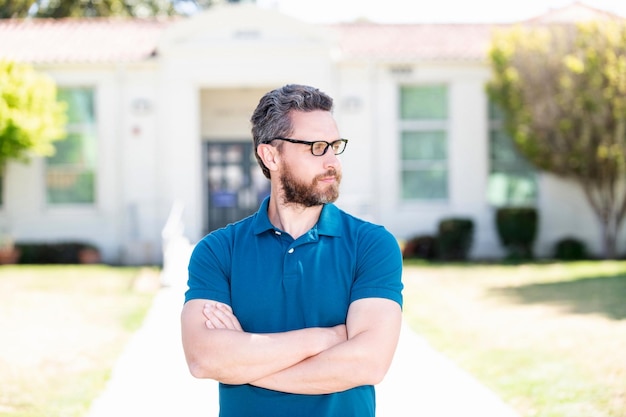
x: 368, y: 115
x: 206, y: 78
x: 564, y: 212
x: 467, y: 149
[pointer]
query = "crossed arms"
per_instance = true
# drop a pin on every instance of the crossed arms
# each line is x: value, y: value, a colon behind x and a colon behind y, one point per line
x: 306, y: 361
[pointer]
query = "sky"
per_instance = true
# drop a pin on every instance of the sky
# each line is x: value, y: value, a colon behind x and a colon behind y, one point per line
x: 431, y: 11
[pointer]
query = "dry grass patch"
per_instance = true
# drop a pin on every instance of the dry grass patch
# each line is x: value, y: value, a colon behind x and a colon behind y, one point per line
x: 62, y: 329
x: 549, y: 338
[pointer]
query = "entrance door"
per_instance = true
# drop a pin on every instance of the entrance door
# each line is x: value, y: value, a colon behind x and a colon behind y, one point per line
x: 235, y: 183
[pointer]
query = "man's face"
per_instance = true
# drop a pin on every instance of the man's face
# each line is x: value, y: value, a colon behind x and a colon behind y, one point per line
x: 307, y: 179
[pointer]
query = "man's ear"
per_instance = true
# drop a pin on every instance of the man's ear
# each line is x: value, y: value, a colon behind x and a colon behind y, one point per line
x: 269, y: 155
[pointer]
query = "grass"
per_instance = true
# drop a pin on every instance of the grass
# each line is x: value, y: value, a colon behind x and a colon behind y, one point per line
x: 62, y: 329
x: 550, y: 339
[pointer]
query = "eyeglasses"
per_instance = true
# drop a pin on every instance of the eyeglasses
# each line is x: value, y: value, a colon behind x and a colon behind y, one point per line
x: 319, y: 147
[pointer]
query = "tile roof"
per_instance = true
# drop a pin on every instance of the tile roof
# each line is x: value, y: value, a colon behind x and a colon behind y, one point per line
x: 414, y: 41
x: 443, y: 42
x: 575, y: 12
x: 79, y: 40
x: 116, y: 40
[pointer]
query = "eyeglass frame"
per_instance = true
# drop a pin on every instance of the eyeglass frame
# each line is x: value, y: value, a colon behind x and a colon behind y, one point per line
x: 304, y: 142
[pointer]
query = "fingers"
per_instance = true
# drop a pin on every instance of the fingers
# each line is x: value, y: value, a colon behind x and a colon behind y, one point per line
x: 220, y: 316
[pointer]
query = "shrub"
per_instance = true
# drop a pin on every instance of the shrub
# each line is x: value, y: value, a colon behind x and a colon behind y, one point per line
x: 52, y: 253
x: 421, y: 247
x: 517, y: 230
x: 570, y: 249
x: 454, y: 238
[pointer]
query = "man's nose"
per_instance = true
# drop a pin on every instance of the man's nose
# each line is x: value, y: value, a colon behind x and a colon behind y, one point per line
x: 331, y: 160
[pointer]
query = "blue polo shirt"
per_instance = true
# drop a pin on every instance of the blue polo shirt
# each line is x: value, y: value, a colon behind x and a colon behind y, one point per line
x: 275, y: 284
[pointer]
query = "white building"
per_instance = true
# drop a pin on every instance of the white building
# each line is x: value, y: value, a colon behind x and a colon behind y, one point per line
x: 160, y: 119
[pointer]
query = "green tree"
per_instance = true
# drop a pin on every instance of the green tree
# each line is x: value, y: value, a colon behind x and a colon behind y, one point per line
x: 14, y: 8
x: 562, y: 89
x: 102, y: 8
x: 31, y: 118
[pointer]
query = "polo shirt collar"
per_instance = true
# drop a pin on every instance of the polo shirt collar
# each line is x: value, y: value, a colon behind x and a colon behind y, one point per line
x: 328, y: 223
x: 261, y: 222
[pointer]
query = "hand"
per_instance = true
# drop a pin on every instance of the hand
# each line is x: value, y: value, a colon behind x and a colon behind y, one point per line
x: 220, y: 316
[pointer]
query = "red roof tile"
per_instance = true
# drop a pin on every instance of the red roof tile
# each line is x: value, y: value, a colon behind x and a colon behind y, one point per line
x: 576, y: 12
x: 118, y: 40
x: 414, y: 42
x: 112, y: 40
x: 79, y: 40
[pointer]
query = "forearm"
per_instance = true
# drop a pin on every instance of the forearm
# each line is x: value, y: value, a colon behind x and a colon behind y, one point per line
x: 362, y: 360
x: 236, y: 357
x: 337, y: 369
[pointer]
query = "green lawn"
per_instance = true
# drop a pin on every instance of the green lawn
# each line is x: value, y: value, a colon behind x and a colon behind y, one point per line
x: 550, y: 339
x: 62, y: 329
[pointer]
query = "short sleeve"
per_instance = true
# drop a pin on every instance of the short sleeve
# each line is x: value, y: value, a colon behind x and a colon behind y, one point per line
x: 379, y: 265
x: 209, y: 270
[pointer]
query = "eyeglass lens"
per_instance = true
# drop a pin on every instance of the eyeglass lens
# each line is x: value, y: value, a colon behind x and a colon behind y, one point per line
x: 320, y: 148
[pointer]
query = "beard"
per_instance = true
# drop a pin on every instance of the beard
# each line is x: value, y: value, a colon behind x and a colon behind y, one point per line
x: 309, y: 195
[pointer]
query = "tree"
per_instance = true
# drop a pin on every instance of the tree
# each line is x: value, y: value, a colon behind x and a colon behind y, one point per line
x: 31, y: 118
x: 102, y: 8
x: 14, y: 8
x: 99, y: 8
x: 562, y: 90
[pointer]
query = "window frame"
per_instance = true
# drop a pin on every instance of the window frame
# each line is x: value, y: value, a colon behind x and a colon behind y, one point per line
x: 89, y: 167
x: 424, y: 125
x: 519, y: 167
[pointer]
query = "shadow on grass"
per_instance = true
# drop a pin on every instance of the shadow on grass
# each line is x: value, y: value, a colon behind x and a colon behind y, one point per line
x: 594, y: 295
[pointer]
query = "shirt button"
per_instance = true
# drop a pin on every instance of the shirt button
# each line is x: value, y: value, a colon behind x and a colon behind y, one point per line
x: 290, y: 250
x: 277, y: 232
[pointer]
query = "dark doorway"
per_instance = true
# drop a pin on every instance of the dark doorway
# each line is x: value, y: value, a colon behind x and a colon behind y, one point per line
x: 235, y: 184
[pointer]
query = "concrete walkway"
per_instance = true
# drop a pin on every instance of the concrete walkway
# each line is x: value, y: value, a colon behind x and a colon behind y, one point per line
x: 151, y: 377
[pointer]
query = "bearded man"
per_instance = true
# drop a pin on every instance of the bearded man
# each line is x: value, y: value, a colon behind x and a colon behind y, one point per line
x: 295, y: 310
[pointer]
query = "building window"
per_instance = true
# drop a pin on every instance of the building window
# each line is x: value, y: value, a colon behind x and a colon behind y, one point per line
x: 512, y: 180
x: 71, y: 171
x: 424, y: 142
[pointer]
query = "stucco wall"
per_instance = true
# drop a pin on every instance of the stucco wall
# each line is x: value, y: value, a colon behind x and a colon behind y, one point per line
x: 203, y: 82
